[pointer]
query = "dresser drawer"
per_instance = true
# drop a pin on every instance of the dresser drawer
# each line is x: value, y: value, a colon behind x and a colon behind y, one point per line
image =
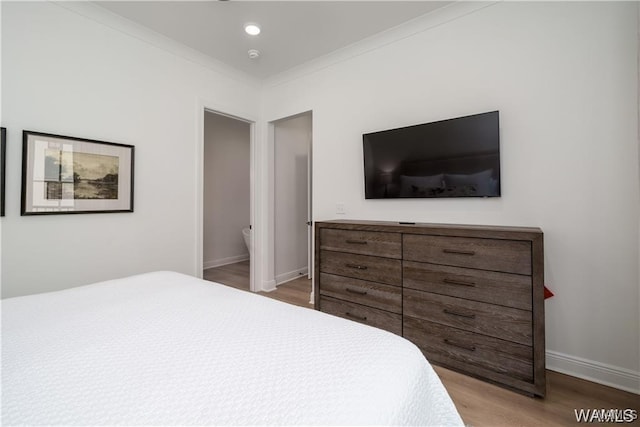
x: 377, y: 295
x: 509, y: 256
x: 511, y: 290
x: 376, y: 243
x: 369, y: 316
x: 488, y: 319
x: 383, y: 270
x: 486, y: 356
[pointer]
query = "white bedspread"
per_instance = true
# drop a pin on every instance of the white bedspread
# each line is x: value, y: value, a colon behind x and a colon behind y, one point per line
x: 168, y: 349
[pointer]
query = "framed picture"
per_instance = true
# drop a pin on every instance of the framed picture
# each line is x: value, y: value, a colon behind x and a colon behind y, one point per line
x: 3, y: 163
x: 67, y: 175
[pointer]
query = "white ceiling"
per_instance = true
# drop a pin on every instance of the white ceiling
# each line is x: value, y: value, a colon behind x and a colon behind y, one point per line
x: 293, y: 32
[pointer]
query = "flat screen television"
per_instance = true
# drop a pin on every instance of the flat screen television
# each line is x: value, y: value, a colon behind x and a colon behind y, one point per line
x: 457, y: 157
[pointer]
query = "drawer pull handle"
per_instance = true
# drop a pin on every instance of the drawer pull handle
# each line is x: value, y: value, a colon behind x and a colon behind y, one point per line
x: 462, y: 346
x: 353, y: 316
x: 458, y: 282
x: 458, y: 252
x: 356, y: 242
x: 453, y: 313
x: 353, y: 291
x: 359, y: 267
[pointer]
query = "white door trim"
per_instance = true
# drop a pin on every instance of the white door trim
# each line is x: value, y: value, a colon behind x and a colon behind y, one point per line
x: 255, y: 254
x: 269, y: 187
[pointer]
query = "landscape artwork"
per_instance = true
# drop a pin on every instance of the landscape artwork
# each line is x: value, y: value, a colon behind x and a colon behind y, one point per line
x: 67, y: 175
x: 70, y: 175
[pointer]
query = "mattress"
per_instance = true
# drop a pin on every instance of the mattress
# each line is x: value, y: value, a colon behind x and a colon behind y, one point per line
x: 168, y: 349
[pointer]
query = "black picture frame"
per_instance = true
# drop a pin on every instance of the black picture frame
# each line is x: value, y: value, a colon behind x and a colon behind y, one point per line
x: 3, y: 164
x: 70, y: 175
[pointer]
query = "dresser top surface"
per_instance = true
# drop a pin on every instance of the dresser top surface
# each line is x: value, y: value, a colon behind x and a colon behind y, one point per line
x: 418, y: 227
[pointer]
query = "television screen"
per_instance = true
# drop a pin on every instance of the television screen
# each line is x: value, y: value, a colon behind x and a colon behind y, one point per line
x: 450, y: 158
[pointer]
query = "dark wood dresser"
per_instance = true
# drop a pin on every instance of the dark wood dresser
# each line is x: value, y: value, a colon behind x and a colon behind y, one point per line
x: 470, y: 297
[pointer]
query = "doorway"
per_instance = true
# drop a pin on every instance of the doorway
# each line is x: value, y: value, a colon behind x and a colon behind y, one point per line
x: 226, y: 249
x: 292, y: 198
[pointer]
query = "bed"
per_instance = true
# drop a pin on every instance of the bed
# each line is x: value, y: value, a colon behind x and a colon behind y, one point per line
x: 164, y: 348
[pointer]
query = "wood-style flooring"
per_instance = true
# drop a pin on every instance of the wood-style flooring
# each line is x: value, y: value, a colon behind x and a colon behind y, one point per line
x: 295, y: 292
x: 484, y: 404
x: 479, y: 403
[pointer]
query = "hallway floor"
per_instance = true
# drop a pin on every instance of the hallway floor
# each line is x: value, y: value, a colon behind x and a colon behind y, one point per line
x: 236, y: 275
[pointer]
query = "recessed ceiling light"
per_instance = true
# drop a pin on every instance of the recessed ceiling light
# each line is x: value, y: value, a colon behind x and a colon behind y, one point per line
x: 252, y: 29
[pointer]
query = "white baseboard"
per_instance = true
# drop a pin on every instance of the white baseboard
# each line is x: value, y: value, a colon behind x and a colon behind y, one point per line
x: 269, y: 286
x: 291, y: 275
x: 224, y: 261
x: 601, y: 373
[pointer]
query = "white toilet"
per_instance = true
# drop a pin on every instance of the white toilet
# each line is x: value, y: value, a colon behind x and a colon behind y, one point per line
x: 246, y: 234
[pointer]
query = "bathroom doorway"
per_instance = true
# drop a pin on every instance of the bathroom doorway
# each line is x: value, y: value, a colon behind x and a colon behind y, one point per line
x: 292, y: 198
x: 226, y: 200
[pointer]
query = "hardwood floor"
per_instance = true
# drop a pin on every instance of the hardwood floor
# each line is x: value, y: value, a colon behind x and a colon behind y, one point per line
x: 484, y: 404
x: 234, y: 275
x: 479, y: 403
x: 295, y: 292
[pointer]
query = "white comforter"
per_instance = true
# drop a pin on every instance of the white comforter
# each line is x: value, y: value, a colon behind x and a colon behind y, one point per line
x: 168, y: 349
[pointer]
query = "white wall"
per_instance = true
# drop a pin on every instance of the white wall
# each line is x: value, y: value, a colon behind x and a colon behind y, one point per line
x: 565, y: 78
x: 226, y: 189
x: 65, y: 73
x: 292, y: 141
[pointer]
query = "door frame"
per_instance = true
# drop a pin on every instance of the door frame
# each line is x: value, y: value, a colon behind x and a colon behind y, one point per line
x: 204, y: 106
x: 270, y: 202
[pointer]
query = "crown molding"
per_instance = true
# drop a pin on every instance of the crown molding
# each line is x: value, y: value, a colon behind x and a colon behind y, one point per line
x: 118, y: 23
x: 405, y: 30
